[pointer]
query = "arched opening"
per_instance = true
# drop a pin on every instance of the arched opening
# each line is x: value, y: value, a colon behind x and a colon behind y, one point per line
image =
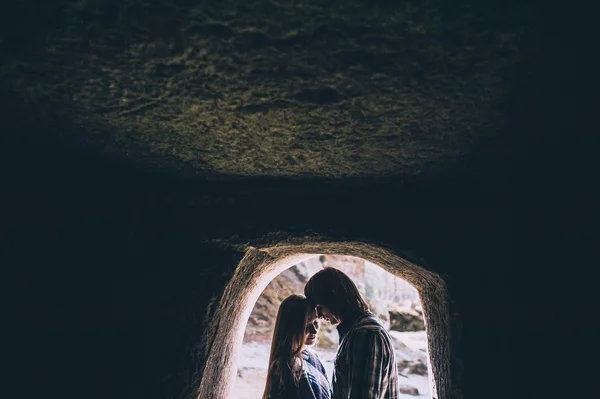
x: 395, y: 302
x: 224, y: 337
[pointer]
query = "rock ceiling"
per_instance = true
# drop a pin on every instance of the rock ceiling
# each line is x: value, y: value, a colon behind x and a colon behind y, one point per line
x: 274, y: 88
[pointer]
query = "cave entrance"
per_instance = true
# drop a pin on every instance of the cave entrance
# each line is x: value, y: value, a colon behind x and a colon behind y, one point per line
x: 394, y: 301
x: 224, y: 339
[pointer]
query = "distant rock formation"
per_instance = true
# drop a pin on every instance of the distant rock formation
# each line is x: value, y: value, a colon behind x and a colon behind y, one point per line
x: 406, y: 317
x: 262, y: 319
x: 409, y: 390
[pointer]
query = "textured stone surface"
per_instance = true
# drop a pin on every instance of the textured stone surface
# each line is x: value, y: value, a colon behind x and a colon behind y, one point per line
x: 273, y: 87
x: 114, y: 271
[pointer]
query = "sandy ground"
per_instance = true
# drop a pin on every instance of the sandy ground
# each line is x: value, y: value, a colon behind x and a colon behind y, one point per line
x: 253, y: 359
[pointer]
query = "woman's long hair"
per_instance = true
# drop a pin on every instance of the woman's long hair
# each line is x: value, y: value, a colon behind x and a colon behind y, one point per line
x: 285, y: 361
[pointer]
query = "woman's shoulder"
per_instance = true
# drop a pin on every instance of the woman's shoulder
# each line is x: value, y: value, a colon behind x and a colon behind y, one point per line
x: 311, y: 356
x: 314, y: 382
x: 309, y: 352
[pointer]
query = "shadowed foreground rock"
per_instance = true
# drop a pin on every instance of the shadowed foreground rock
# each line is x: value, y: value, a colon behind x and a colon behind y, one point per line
x: 148, y: 146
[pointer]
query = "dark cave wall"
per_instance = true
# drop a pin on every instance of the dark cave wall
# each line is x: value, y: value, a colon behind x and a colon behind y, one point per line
x: 112, y: 272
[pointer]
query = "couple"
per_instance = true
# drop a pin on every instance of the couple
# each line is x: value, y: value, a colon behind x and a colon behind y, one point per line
x: 365, y: 363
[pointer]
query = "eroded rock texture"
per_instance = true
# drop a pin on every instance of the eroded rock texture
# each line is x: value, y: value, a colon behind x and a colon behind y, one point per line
x: 274, y: 87
x: 146, y: 145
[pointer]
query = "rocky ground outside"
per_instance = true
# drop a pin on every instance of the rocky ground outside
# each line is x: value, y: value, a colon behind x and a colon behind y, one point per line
x: 254, y: 357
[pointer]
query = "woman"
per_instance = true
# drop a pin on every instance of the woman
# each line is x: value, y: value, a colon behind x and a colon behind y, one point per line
x: 295, y: 372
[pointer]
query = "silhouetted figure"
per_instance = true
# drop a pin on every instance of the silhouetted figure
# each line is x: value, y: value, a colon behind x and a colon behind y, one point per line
x: 365, y: 364
x: 295, y: 372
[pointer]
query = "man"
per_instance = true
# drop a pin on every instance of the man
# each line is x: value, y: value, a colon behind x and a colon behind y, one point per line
x: 365, y: 364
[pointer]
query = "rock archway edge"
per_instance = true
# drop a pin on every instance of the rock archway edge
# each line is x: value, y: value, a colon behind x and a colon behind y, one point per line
x: 259, y: 266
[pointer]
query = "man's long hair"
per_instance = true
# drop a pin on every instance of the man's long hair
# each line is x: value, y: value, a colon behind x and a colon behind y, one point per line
x: 285, y: 361
x: 332, y: 288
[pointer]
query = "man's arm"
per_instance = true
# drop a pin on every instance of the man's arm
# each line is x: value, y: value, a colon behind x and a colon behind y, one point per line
x: 368, y: 357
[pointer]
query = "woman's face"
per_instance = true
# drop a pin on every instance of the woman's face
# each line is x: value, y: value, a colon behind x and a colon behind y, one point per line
x: 312, y: 329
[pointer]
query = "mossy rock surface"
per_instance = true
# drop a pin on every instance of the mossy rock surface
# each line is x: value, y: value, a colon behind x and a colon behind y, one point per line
x: 272, y: 87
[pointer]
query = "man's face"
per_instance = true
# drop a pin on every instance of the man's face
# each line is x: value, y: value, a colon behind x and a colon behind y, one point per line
x: 325, y: 313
